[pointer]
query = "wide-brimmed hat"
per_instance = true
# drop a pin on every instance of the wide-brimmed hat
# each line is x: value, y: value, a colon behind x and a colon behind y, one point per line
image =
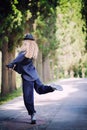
x: 28, y: 37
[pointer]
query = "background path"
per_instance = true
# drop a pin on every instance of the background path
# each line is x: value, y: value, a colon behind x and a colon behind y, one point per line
x: 60, y: 110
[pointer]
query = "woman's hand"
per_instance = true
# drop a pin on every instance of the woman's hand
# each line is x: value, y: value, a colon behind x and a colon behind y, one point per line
x: 10, y: 66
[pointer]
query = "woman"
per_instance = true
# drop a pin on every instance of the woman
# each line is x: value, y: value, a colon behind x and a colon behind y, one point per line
x: 23, y: 64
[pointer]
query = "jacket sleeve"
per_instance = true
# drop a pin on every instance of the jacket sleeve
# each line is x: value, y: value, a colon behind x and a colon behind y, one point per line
x: 17, y: 60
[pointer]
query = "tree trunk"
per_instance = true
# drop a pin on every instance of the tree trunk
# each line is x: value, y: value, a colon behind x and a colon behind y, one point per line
x: 46, y: 70
x: 0, y: 69
x: 11, y: 74
x: 71, y: 74
x: 38, y: 65
x: 83, y: 72
x: 52, y: 70
x: 8, y: 77
x: 4, y: 86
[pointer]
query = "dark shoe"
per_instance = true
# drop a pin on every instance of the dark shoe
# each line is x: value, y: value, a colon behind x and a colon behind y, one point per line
x: 56, y: 87
x: 33, y: 118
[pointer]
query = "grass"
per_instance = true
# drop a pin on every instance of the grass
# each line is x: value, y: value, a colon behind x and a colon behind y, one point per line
x: 10, y: 96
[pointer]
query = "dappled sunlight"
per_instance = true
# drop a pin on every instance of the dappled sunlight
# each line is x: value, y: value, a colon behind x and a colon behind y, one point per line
x: 67, y: 91
x: 55, y: 96
x: 47, y: 105
x: 70, y: 86
x: 17, y: 105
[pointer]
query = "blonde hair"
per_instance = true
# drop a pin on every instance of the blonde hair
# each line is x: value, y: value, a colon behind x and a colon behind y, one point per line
x: 31, y: 49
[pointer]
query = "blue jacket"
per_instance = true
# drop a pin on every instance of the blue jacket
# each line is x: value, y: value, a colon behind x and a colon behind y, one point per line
x: 24, y: 66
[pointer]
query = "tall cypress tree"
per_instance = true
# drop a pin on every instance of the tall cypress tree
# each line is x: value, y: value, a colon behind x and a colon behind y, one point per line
x: 15, y: 14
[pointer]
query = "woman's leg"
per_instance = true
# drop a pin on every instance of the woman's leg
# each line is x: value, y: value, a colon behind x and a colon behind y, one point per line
x: 28, y: 95
x: 41, y: 88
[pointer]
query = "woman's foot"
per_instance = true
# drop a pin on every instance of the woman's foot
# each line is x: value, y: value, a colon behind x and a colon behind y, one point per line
x: 33, y: 118
x: 56, y: 87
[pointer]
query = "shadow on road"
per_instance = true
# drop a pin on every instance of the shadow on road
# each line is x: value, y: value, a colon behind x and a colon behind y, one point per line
x: 63, y: 110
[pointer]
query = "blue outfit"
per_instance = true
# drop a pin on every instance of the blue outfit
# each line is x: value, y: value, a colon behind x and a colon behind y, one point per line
x: 30, y: 80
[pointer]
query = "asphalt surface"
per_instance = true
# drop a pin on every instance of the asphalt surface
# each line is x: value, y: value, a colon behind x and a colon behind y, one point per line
x: 59, y: 110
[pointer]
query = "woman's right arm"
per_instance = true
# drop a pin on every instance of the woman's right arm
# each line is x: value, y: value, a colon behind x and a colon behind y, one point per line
x: 17, y: 60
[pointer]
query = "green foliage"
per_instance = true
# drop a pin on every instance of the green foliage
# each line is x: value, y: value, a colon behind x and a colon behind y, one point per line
x: 15, y: 13
x: 47, y: 7
x: 10, y: 96
x: 71, y: 37
x: 84, y: 16
x: 45, y: 33
x: 12, y: 25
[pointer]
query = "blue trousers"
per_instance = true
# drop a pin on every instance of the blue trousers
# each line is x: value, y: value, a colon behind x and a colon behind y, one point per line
x: 28, y: 93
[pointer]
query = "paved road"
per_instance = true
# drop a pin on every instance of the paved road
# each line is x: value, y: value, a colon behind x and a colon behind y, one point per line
x: 66, y: 110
